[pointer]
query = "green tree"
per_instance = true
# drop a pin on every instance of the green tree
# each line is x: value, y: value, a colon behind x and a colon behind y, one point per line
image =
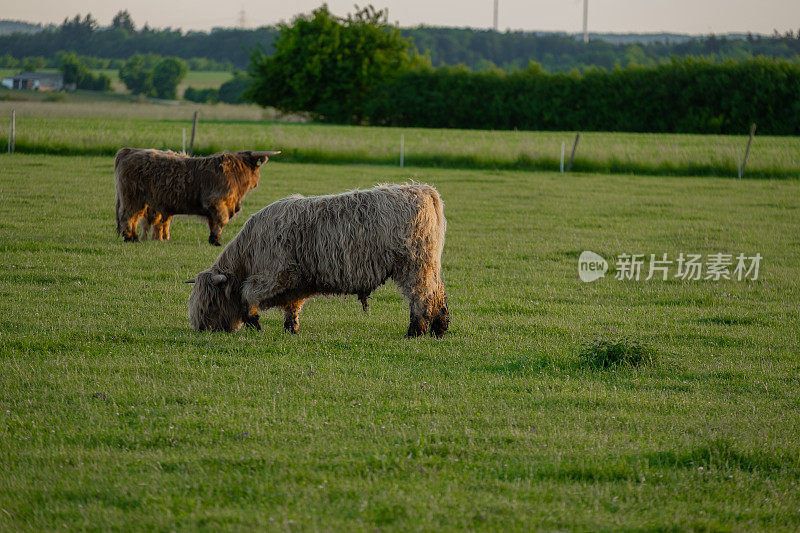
x: 329, y: 65
x: 232, y: 91
x: 8, y: 61
x: 32, y: 64
x: 72, y: 68
x: 167, y: 74
x: 137, y: 75
x: 123, y: 21
x: 75, y: 71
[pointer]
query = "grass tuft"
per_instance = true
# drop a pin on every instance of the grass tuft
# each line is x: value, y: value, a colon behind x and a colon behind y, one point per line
x: 610, y: 349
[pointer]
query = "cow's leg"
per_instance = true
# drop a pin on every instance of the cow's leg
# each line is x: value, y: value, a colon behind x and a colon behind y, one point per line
x: 258, y: 291
x: 164, y: 228
x: 252, y: 319
x: 414, y: 287
x: 216, y: 221
x: 291, y: 316
x: 146, y: 229
x: 441, y: 317
x: 152, y: 220
x: 131, y: 218
x: 427, y: 301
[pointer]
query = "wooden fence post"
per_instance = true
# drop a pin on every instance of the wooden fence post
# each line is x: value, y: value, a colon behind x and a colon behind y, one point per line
x: 747, y: 151
x: 574, y: 149
x: 194, y: 130
x: 402, y: 149
x: 563, y: 146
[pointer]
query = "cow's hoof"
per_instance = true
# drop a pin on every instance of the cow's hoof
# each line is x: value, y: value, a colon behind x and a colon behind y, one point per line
x: 416, y: 330
x: 291, y: 328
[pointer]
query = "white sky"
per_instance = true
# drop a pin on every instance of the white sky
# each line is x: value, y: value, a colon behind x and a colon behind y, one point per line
x: 618, y: 16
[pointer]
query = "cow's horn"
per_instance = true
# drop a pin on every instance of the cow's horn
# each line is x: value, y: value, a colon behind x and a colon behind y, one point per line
x: 193, y: 280
x: 218, y: 279
x: 269, y: 154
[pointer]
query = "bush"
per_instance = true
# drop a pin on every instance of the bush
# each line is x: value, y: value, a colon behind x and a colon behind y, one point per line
x: 137, y: 75
x: 685, y: 95
x: 32, y: 64
x: 201, y: 96
x: 75, y: 71
x: 609, y: 350
x: 167, y: 74
x: 233, y: 90
x: 8, y: 61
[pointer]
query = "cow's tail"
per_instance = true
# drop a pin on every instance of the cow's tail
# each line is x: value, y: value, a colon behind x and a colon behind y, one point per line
x: 118, y: 207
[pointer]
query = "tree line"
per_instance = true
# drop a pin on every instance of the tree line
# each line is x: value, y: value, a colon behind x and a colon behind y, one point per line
x: 122, y: 39
x: 477, y: 49
x: 360, y: 70
x: 485, y: 49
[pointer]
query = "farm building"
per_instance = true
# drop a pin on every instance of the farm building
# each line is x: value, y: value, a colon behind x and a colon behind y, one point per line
x: 35, y: 81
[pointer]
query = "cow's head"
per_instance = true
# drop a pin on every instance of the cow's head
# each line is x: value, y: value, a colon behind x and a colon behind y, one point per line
x: 253, y: 161
x: 216, y: 303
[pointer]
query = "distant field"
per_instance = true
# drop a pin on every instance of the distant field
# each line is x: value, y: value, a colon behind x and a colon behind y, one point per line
x: 89, y: 128
x: 115, y: 415
x: 196, y: 79
x: 114, y: 106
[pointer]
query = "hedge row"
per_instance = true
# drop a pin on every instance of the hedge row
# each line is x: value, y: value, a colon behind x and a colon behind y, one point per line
x: 684, y: 95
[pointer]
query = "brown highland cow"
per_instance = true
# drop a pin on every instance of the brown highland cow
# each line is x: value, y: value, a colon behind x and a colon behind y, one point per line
x: 155, y: 185
x: 342, y: 244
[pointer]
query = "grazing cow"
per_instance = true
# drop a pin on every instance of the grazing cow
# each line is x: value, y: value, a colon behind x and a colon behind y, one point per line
x: 342, y: 244
x: 155, y: 185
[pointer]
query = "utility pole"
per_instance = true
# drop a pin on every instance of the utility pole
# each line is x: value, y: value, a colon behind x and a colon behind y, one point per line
x: 242, y: 19
x: 495, y: 14
x: 586, y: 21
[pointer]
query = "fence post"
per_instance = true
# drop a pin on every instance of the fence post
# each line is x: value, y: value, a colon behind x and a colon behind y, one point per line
x: 574, y: 149
x: 12, y: 133
x: 183, y: 140
x: 194, y: 130
x: 402, y: 149
x: 747, y: 150
x: 563, y: 146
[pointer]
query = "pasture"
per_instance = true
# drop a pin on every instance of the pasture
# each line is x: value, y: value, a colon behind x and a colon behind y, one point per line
x: 86, y: 128
x: 115, y: 415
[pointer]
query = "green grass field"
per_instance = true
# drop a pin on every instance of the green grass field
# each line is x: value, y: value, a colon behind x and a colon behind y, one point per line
x: 115, y: 415
x: 84, y: 128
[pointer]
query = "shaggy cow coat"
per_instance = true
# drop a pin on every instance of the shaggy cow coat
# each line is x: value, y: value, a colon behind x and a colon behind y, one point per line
x: 155, y: 185
x: 343, y: 244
